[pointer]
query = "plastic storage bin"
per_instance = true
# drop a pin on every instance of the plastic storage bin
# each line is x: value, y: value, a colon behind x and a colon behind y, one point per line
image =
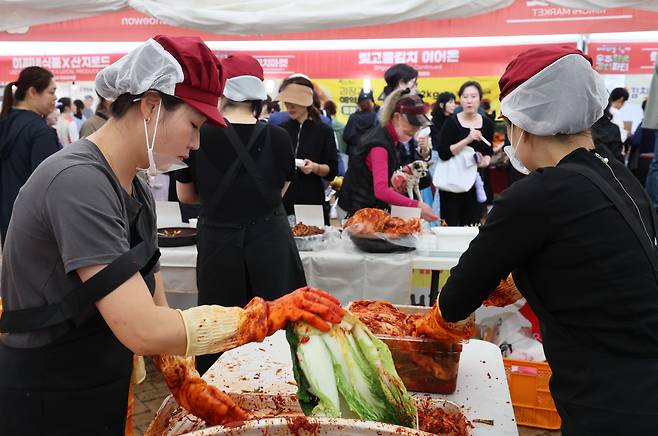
x: 531, y: 398
x: 425, y: 365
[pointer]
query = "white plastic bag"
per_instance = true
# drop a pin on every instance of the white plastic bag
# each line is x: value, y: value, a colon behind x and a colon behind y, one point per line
x: 512, y: 332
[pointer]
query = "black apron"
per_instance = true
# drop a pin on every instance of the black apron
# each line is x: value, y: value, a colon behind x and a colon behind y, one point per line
x: 258, y: 257
x: 79, y: 384
x: 595, y: 392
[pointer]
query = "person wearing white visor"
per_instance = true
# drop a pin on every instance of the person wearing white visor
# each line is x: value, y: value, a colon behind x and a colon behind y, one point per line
x: 578, y: 238
x: 81, y: 288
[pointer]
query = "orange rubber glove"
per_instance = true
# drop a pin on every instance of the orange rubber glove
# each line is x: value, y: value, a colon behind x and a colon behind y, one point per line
x: 314, y: 307
x: 506, y: 293
x: 212, y: 329
x: 194, y: 394
x: 435, y: 327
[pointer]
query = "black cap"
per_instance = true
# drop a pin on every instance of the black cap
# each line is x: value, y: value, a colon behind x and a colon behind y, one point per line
x: 363, y: 95
x: 413, y: 107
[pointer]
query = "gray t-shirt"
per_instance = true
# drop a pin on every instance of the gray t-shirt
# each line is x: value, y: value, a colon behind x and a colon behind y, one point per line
x: 71, y: 213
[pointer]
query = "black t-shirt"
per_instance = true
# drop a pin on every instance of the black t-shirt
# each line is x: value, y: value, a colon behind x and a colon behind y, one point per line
x: 243, y: 200
x: 452, y: 132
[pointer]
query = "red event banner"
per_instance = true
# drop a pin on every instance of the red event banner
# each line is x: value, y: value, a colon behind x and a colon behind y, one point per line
x: 69, y: 68
x: 531, y: 17
x: 360, y: 64
x: 624, y: 58
x: 320, y: 64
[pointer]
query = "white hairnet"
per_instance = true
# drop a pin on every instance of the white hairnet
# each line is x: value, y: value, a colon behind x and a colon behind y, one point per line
x: 149, y: 66
x: 243, y: 88
x: 567, y: 96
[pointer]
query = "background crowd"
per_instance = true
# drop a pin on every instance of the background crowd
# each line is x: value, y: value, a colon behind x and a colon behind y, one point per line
x: 35, y: 124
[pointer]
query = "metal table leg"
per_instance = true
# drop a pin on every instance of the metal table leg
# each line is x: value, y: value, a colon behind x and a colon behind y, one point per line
x: 434, y: 287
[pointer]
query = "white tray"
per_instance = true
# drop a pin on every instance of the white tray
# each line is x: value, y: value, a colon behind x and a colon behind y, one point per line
x: 446, y: 241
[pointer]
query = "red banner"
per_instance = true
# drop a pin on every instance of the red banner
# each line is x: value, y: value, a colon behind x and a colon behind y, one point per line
x: 624, y: 58
x: 360, y: 64
x: 65, y: 67
x: 531, y: 17
x: 324, y: 64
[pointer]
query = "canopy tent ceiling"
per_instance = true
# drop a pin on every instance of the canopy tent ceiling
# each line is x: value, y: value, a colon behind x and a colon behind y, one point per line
x: 249, y: 17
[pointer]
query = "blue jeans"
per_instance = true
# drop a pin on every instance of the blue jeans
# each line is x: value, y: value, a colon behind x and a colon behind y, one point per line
x: 652, y: 178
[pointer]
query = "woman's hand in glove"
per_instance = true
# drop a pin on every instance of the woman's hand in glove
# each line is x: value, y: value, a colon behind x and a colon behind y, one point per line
x: 434, y: 326
x: 211, y: 329
x: 194, y: 394
x: 315, y: 307
x: 506, y: 293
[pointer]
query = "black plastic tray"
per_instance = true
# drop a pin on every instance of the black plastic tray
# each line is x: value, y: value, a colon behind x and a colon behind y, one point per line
x: 187, y: 236
x: 377, y: 245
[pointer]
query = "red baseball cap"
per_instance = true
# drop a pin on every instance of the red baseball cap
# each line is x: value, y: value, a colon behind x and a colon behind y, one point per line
x: 413, y: 107
x: 202, y: 78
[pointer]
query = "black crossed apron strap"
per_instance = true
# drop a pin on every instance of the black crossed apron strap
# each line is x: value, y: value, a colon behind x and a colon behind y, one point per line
x: 73, y: 307
x: 645, y: 240
x: 566, y: 349
x: 248, y: 162
x: 632, y: 221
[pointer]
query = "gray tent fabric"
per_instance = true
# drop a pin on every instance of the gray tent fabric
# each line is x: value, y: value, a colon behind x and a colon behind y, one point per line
x: 258, y: 16
x: 248, y: 17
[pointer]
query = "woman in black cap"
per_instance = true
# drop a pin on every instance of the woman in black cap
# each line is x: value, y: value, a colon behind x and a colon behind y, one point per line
x: 360, y: 121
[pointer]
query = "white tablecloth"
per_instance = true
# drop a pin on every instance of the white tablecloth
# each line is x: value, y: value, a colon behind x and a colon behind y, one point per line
x: 343, y: 270
x: 481, y: 385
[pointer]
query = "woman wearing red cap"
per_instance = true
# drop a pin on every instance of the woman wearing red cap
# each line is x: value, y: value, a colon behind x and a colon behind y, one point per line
x: 578, y: 236
x: 80, y: 284
x: 368, y: 179
x: 239, y: 175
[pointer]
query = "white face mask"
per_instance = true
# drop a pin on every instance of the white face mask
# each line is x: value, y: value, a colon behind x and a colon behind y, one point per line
x: 158, y: 162
x: 510, y: 151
